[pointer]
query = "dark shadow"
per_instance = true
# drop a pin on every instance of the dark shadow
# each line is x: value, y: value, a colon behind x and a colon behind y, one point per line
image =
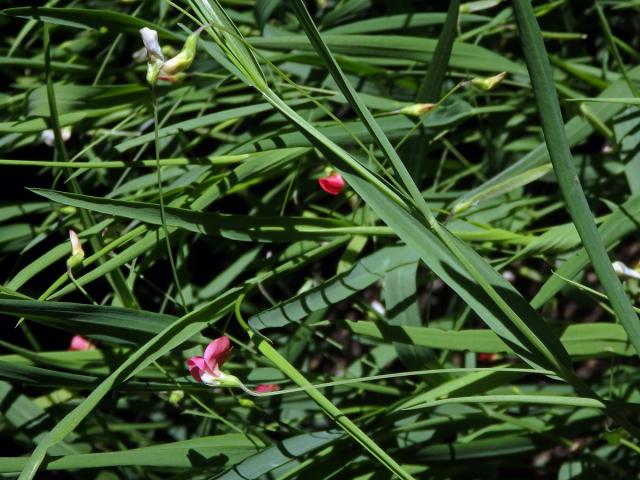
x: 197, y: 459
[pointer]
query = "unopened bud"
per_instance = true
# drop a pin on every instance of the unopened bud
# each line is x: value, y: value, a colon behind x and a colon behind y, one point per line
x: 182, y: 60
x: 176, y: 396
x: 49, y: 138
x: 68, y: 210
x: 417, y: 109
x: 77, y: 253
x: 247, y: 403
x: 488, y: 83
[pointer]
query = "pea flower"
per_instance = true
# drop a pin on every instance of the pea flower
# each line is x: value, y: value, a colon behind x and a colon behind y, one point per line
x: 488, y: 83
x: 77, y: 253
x: 625, y: 272
x: 417, y: 109
x: 157, y: 66
x: 151, y: 44
x: 485, y: 358
x: 206, y: 368
x: 332, y: 184
x: 49, y: 138
x: 266, y: 388
x: 78, y: 342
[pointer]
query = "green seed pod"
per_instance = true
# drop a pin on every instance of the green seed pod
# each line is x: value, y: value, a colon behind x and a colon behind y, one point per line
x: 77, y: 253
x: 182, y: 60
x: 487, y: 83
x: 417, y: 109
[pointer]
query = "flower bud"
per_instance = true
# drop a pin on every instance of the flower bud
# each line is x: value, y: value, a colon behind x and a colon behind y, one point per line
x: 176, y: 396
x: 332, y: 184
x: 417, y: 109
x: 79, y: 343
x: 487, y: 83
x: 68, y: 210
x: 153, y: 71
x: 49, y: 138
x: 267, y: 388
x: 247, y: 403
x: 221, y: 380
x: 182, y: 60
x: 77, y: 253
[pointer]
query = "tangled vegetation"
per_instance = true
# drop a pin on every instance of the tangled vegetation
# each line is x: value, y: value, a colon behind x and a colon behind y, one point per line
x: 346, y: 239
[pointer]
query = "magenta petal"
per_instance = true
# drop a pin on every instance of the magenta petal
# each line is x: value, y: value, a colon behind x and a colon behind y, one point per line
x: 80, y: 343
x: 217, y: 352
x: 267, y: 387
x: 197, y: 366
x: 195, y: 373
x: 333, y: 184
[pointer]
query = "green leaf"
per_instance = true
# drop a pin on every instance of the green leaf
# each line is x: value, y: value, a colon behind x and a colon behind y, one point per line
x: 236, y: 227
x: 213, y: 452
x: 88, y: 18
x: 566, y: 173
x: 464, y: 56
x: 275, y: 456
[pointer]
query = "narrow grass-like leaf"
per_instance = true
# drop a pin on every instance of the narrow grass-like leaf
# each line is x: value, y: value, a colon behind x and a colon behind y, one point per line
x: 560, y: 154
x: 128, y: 325
x: 87, y: 18
x: 214, y: 452
x: 582, y: 340
x: 392, y: 47
x: 235, y: 227
x: 577, y: 130
x: 274, y: 456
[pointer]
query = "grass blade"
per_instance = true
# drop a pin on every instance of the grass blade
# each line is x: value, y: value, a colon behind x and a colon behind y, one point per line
x: 568, y: 180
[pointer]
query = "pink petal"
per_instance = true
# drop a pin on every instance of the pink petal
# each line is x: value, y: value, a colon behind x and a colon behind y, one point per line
x: 267, y: 387
x: 484, y: 358
x: 197, y: 366
x: 217, y: 352
x: 80, y: 343
x: 333, y: 184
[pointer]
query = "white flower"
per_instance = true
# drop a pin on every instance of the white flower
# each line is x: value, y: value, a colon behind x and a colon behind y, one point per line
x: 151, y: 44
x: 170, y: 70
x: 49, y: 138
x: 625, y: 272
x: 378, y: 307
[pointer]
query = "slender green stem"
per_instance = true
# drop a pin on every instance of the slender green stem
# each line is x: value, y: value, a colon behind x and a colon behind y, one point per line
x: 413, y: 373
x: 174, y: 271
x: 80, y: 287
x: 116, y: 278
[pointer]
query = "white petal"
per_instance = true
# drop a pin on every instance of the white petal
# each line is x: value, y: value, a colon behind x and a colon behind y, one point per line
x: 151, y: 43
x: 65, y: 133
x: 623, y: 271
x: 48, y: 137
x: 378, y: 307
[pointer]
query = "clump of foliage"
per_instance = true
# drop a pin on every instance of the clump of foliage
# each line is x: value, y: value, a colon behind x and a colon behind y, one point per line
x: 342, y: 239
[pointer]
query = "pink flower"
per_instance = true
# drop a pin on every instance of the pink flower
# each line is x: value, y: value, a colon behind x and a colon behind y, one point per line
x: 332, y: 184
x: 80, y: 343
x: 267, y: 387
x: 485, y: 358
x: 206, y: 368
